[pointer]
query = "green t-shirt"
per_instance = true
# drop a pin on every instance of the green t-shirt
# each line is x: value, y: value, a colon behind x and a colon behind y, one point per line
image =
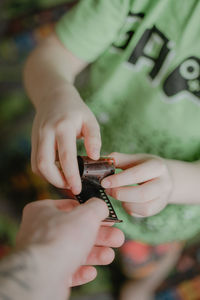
x: 144, y: 88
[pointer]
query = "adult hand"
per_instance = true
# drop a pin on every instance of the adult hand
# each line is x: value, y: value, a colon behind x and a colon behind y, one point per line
x: 66, y: 238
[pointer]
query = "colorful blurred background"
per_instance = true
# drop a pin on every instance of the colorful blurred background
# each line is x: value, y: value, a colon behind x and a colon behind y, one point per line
x: 23, y: 24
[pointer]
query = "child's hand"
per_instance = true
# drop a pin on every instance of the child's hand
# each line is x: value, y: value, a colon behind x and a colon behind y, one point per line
x: 61, y: 118
x: 151, y: 174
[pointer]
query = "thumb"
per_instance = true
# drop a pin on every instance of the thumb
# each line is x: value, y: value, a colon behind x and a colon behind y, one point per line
x: 84, y: 222
x: 94, y: 211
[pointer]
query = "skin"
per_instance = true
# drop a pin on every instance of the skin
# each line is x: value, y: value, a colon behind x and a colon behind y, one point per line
x: 62, y: 117
x: 58, y: 243
x: 159, y: 182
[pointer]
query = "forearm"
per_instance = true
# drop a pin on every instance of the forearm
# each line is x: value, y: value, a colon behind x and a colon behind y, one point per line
x: 50, y: 66
x: 186, y: 182
x: 27, y: 275
x: 17, y: 276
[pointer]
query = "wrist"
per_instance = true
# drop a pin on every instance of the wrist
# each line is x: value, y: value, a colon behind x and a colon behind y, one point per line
x: 62, y: 91
x: 20, y: 276
x: 185, y: 178
x: 47, y: 277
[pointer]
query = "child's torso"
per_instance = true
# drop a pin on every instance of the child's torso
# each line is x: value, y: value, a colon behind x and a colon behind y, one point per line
x: 145, y: 89
x: 145, y: 92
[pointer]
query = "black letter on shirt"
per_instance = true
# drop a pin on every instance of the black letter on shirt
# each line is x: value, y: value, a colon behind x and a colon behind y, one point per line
x: 134, y: 19
x: 150, y: 39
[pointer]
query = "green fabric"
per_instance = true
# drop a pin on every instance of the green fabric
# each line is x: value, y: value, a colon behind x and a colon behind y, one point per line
x: 98, y: 15
x: 134, y: 110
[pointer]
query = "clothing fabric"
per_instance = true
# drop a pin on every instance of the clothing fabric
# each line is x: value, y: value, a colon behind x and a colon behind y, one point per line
x: 139, y: 260
x: 144, y: 88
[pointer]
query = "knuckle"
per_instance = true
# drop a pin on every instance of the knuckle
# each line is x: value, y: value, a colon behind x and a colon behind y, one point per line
x: 28, y: 207
x: 61, y: 125
x: 44, y: 126
x: 116, y: 193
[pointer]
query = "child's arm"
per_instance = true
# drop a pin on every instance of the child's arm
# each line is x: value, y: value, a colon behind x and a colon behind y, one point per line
x: 61, y: 115
x: 160, y: 182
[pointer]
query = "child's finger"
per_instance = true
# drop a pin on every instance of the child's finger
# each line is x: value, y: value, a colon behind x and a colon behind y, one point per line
x: 143, y: 172
x: 66, y: 142
x: 124, y: 161
x: 140, y: 193
x: 147, y: 209
x: 92, y: 139
x: 46, y: 160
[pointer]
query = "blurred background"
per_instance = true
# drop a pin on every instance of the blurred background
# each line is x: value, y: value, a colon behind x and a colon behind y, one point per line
x: 23, y: 24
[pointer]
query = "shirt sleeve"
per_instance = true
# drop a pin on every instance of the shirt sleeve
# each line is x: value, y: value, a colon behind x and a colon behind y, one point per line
x: 91, y: 26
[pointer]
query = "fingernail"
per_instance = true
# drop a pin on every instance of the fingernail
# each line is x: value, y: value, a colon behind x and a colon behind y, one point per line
x: 95, y: 154
x: 106, y: 183
x: 96, y: 202
x: 76, y: 190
